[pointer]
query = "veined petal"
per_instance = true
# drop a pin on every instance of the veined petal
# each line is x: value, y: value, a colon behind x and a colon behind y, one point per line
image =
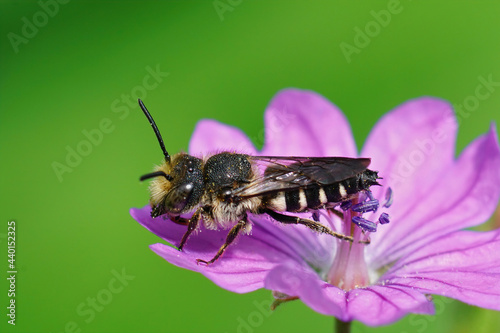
x: 462, y: 195
x: 381, y: 305
x: 234, y: 272
x: 304, y: 123
x: 412, y: 143
x: 374, y: 305
x: 302, y: 281
x: 244, y: 264
x: 301, y: 243
x: 411, y: 147
x: 166, y: 229
x: 211, y: 136
x: 464, y: 265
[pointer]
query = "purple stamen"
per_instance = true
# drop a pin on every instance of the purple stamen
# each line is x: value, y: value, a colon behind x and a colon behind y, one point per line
x: 346, y: 205
x: 370, y: 195
x: 315, y: 216
x: 368, y: 206
x: 364, y: 224
x: 388, y: 197
x: 384, y: 218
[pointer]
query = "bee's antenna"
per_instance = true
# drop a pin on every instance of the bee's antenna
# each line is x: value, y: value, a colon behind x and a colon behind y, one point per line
x: 157, y: 132
x: 156, y: 174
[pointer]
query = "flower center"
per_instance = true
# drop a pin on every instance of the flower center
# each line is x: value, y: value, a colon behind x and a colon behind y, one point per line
x: 349, y: 269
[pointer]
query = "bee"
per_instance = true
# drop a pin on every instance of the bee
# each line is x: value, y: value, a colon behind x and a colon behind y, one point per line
x: 222, y: 189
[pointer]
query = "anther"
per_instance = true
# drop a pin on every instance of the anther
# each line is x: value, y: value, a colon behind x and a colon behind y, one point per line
x: 346, y: 205
x: 384, y: 218
x: 368, y: 206
x: 370, y: 195
x: 315, y: 216
x: 364, y: 224
x: 388, y: 197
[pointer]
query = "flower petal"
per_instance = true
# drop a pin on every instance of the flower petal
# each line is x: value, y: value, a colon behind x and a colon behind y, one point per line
x: 304, y: 123
x: 414, y: 141
x: 411, y: 147
x: 233, y: 272
x: 381, y: 305
x: 166, y: 229
x: 211, y: 136
x: 245, y: 263
x: 301, y: 281
x: 439, y: 195
x: 464, y: 265
x: 374, y: 305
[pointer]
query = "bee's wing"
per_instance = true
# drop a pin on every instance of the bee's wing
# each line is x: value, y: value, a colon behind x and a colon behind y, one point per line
x: 288, y: 173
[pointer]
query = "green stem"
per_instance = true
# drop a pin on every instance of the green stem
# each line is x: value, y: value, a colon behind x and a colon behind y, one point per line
x: 342, y: 326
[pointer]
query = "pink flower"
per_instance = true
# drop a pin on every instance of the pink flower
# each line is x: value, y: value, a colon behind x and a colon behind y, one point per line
x: 424, y: 250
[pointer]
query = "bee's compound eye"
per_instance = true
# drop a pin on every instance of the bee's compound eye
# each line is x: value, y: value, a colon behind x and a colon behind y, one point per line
x: 178, y: 198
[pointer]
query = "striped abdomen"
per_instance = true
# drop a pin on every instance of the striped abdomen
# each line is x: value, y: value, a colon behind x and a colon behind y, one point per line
x: 317, y: 196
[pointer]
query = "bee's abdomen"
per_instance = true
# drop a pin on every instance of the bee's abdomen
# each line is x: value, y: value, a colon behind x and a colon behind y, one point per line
x: 313, y: 197
x: 343, y: 190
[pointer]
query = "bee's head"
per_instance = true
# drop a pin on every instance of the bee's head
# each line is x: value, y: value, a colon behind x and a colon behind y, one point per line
x: 177, y: 186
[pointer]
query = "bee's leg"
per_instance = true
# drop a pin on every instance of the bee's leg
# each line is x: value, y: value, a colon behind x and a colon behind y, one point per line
x: 178, y: 220
x: 337, y: 213
x: 231, y: 236
x: 192, y: 224
x: 316, y: 226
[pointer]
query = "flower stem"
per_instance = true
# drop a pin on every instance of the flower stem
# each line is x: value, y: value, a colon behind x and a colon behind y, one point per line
x: 342, y: 326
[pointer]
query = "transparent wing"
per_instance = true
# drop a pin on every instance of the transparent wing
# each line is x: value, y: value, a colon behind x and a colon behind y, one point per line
x: 288, y: 173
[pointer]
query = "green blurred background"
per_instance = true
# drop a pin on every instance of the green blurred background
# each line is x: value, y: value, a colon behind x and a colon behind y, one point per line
x: 225, y: 60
